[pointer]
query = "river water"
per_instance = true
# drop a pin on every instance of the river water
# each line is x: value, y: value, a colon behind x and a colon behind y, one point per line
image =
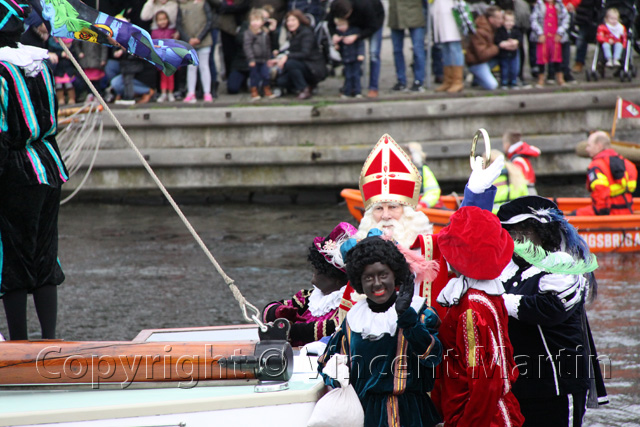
x: 135, y: 266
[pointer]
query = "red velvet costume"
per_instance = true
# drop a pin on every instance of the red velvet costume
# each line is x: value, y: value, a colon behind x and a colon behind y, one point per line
x: 611, y: 179
x: 479, y: 367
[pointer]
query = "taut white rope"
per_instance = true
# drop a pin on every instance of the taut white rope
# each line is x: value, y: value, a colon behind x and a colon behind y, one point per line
x: 244, y: 304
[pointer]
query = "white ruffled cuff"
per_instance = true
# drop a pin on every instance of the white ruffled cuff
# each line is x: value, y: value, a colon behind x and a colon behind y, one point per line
x: 512, y: 303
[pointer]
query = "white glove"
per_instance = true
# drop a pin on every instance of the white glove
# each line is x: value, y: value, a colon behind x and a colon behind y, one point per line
x: 313, y: 348
x: 337, y: 368
x: 481, y: 179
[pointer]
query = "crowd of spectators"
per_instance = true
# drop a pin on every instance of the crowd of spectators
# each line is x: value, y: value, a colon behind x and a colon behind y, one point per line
x: 286, y: 48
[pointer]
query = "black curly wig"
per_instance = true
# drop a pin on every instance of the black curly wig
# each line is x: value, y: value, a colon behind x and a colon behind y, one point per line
x: 322, y: 266
x: 371, y: 250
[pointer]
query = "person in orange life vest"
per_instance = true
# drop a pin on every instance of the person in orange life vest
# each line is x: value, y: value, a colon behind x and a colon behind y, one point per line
x: 478, y: 371
x: 520, y: 153
x: 611, y: 179
x: 390, y: 186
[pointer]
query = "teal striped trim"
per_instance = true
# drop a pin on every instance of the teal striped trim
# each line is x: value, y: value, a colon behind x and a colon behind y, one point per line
x: 55, y: 156
x: 48, y: 81
x: 10, y: 12
x: 4, y: 95
x: 25, y: 101
x: 41, y: 173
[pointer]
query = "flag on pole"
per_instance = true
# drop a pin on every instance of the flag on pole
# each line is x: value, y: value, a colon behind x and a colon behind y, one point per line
x: 627, y: 109
x: 75, y: 20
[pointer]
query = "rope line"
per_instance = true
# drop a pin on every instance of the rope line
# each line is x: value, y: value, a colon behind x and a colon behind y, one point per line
x: 73, y: 154
x: 244, y: 304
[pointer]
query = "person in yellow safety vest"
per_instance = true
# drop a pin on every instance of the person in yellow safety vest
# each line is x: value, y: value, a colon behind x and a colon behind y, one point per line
x: 511, y: 183
x: 430, y: 188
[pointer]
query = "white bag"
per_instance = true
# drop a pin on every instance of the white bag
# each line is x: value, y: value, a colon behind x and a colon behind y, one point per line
x: 340, y: 407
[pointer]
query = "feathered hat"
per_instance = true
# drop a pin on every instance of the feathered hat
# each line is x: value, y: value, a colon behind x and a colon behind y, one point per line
x: 12, y: 15
x: 330, y: 247
x: 545, y: 211
x: 388, y: 175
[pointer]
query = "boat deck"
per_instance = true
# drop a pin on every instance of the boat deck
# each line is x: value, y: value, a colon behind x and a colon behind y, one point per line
x: 169, y: 404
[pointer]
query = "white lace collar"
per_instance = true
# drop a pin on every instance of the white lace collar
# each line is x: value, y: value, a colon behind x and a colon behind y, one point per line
x: 29, y: 58
x: 373, y: 326
x: 458, y: 286
x: 320, y: 304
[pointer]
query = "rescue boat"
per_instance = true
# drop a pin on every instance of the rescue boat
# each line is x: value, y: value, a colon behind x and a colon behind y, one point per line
x: 606, y: 233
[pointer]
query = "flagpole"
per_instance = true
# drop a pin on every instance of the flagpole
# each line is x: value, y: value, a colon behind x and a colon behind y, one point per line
x: 615, y: 118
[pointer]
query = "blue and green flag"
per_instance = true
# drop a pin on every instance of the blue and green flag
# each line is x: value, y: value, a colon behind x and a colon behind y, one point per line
x: 75, y: 20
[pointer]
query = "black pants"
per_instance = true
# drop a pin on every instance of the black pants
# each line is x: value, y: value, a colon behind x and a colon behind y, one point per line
x: 555, y: 411
x: 15, y: 308
x: 228, y: 43
x: 295, y: 76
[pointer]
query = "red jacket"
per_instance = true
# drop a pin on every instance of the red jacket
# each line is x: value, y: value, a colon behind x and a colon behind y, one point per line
x: 519, y: 154
x: 478, y: 369
x: 611, y: 179
x: 605, y: 36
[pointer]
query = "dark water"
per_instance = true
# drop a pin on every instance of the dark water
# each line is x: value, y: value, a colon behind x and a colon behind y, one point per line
x: 131, y: 267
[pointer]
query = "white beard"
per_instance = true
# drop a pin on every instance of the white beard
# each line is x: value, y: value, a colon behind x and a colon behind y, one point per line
x: 404, y: 231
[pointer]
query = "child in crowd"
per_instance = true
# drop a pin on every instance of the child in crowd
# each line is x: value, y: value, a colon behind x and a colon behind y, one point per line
x: 352, y: 56
x: 520, y: 153
x: 65, y: 73
x: 474, y: 385
x: 390, y: 339
x: 509, y: 38
x: 612, y: 36
x: 164, y: 31
x: 152, y: 7
x: 194, y: 26
x: 257, y: 49
x: 92, y: 57
x: 550, y: 25
x: 313, y: 313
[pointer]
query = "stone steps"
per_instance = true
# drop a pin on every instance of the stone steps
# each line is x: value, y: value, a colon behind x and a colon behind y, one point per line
x: 324, y: 145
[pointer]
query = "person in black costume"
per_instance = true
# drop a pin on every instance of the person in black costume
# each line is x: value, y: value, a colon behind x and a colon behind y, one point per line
x: 31, y: 175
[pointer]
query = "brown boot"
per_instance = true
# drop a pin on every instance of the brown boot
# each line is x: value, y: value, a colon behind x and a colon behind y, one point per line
x: 457, y: 79
x: 267, y: 92
x: 305, y: 94
x: 446, y: 82
x: 146, y: 97
x: 560, y: 79
x: 254, y: 94
x: 71, y: 94
x: 577, y: 67
x: 541, y: 79
x: 60, y: 96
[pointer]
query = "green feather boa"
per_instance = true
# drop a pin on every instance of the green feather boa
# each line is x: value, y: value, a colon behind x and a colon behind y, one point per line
x: 553, y: 262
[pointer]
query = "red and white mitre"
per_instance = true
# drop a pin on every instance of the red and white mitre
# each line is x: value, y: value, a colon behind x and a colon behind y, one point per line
x: 388, y: 175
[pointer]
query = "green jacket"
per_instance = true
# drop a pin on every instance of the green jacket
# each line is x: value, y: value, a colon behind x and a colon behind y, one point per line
x: 406, y: 14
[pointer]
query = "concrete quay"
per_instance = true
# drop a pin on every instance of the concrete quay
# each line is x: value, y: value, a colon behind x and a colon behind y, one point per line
x: 323, y: 144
